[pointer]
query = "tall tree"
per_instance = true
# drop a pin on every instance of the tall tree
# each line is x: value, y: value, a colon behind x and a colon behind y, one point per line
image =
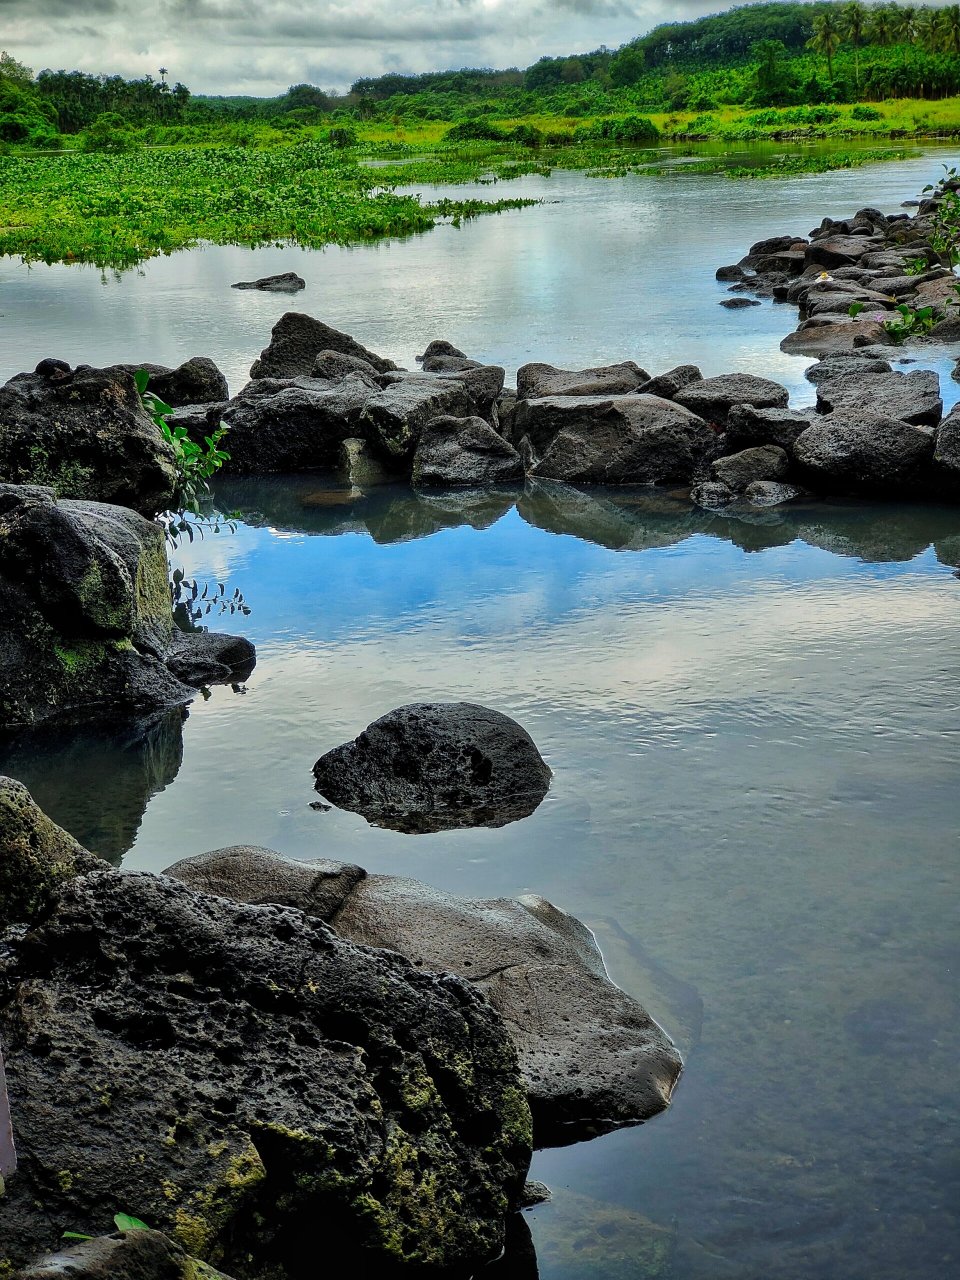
x: 854, y: 18
x: 825, y: 38
x: 949, y: 25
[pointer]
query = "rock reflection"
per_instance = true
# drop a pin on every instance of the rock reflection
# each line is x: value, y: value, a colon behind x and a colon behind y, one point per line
x: 96, y: 781
x: 621, y: 519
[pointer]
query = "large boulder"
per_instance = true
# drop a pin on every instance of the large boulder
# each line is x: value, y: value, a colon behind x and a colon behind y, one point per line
x: 825, y: 335
x: 748, y: 426
x: 85, y: 616
x: 838, y: 250
x: 592, y: 1058
x: 294, y: 426
x: 482, y: 382
x: 912, y: 397
x: 639, y: 439
x: 859, y: 361
x: 249, y: 1082
x: 196, y: 381
x: 125, y: 1255
x: 436, y: 766
x: 85, y: 434
x: 297, y: 339
x: 737, y: 470
x: 537, y: 380
x: 864, y: 453
x: 666, y: 385
x: 713, y: 398
x: 466, y: 452
x: 393, y: 419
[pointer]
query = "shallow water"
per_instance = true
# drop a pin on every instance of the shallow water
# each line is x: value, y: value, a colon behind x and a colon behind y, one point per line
x: 753, y: 725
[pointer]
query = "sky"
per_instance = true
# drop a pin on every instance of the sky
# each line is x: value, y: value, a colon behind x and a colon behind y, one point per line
x: 261, y: 47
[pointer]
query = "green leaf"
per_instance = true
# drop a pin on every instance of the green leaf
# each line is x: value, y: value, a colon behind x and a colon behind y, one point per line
x: 141, y: 378
x: 74, y: 1235
x: 124, y: 1222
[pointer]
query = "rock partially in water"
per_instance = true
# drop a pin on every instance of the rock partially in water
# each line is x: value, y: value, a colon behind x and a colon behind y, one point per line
x: 293, y: 426
x: 284, y: 282
x: 859, y: 362
x: 712, y: 495
x: 394, y: 418
x: 823, y: 336
x: 467, y: 452
x: 537, y: 380
x: 770, y: 493
x: 358, y: 466
x: 748, y: 426
x: 84, y: 433
x: 297, y: 340
x: 437, y: 766
x: 737, y: 304
x: 249, y: 1081
x: 865, y: 453
x: 713, y: 398
x: 592, y: 1058
x: 126, y: 1255
x: 910, y: 397
x: 737, y: 470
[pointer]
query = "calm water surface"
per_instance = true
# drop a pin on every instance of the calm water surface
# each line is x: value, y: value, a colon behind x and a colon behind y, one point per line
x: 753, y: 725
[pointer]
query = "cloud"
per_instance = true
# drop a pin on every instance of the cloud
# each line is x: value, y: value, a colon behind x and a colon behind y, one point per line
x: 263, y: 46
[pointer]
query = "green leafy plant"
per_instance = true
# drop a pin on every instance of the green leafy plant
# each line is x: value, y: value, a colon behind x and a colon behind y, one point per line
x: 916, y: 267
x: 909, y: 323
x: 122, y: 1221
x: 855, y: 308
x: 195, y: 464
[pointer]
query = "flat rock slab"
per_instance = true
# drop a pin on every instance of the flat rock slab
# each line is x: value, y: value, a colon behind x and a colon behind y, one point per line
x: 912, y: 397
x: 437, y: 767
x: 823, y: 339
x: 713, y: 398
x: 592, y: 1058
x: 537, y: 380
x: 244, y: 1078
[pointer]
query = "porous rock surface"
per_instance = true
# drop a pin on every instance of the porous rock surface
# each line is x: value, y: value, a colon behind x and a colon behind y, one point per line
x: 85, y: 617
x: 537, y: 380
x: 293, y: 424
x: 125, y: 1255
x: 297, y: 339
x: 434, y: 766
x: 249, y: 1081
x: 84, y: 433
x: 713, y: 398
x: 591, y: 1057
x: 463, y: 451
x: 864, y: 453
x: 196, y: 381
x: 911, y: 397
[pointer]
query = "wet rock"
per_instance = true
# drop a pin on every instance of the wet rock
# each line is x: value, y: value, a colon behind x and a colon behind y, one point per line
x: 334, y: 366
x: 482, y: 382
x: 748, y: 426
x: 297, y: 340
x: 128, y: 1255
x: 666, y: 385
x: 732, y: 272
x: 394, y: 418
x: 447, y: 364
x: 440, y: 347
x: 712, y: 398
x: 208, y: 657
x: 357, y: 465
x: 770, y: 493
x: 295, y: 427
x: 285, y: 282
x: 36, y: 856
x: 463, y: 452
x: 196, y: 381
x: 737, y: 470
x: 866, y: 453
x: 637, y: 439
x: 855, y: 362
x: 822, y: 337
x: 734, y: 304
x: 247, y: 1079
x: 912, y: 397
x: 537, y: 380
x: 85, y: 619
x: 947, y: 445
x: 86, y: 434
x: 591, y: 1057
x: 436, y: 767
x: 712, y: 495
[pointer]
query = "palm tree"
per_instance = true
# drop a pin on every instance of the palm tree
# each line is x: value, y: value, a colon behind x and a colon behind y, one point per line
x: 825, y: 39
x: 903, y: 23
x: 927, y: 28
x: 949, y: 26
x: 881, y: 27
x: 854, y: 19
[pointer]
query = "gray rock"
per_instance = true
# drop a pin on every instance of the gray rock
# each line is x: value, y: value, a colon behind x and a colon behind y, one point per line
x: 128, y: 1255
x: 334, y: 366
x: 711, y: 495
x: 208, y: 657
x: 857, y: 362
x: 666, y: 385
x: 822, y: 337
x: 947, y: 445
x: 866, y: 453
x: 447, y: 364
x: 912, y: 397
x: 85, y: 434
x: 482, y: 382
x: 393, y: 419
x: 239, y: 1074
x: 357, y: 465
x: 198, y: 420
x: 297, y: 340
x: 440, y: 347
x: 592, y: 1059
x: 770, y: 493
x: 436, y: 767
x: 463, y: 452
x: 295, y: 428
x: 839, y: 250
x: 737, y: 470
x: 637, y: 439
x: 733, y: 272
x: 748, y: 426
x: 712, y: 398
x: 285, y: 282
x: 734, y: 304
x: 955, y: 375
x: 196, y: 381
x: 537, y: 380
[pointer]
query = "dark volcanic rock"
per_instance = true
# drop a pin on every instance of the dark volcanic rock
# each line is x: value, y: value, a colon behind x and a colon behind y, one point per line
x: 440, y: 347
x: 196, y: 381
x: 824, y: 336
x: 86, y: 434
x: 285, y: 282
x: 712, y: 495
x: 912, y: 397
x: 463, y: 451
x: 749, y: 426
x: 129, y: 1255
x: 770, y: 493
x: 208, y: 657
x: 297, y: 340
x: 856, y: 362
x: 866, y: 453
x: 334, y: 366
x: 738, y: 470
x: 712, y: 398
x: 736, y: 304
x: 838, y: 251
x: 393, y: 419
x: 638, y: 439
x: 591, y: 1057
x: 295, y: 427
x: 666, y: 385
x: 436, y: 766
x: 537, y: 380
x: 247, y: 1080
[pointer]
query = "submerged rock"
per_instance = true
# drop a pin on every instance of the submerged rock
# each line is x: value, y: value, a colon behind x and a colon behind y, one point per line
x: 297, y: 340
x: 85, y: 434
x: 249, y: 1081
x: 463, y: 452
x: 435, y: 767
x: 737, y: 470
x: 592, y: 1058
x: 285, y: 282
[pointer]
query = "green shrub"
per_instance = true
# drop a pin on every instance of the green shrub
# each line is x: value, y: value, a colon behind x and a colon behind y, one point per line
x: 861, y: 112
